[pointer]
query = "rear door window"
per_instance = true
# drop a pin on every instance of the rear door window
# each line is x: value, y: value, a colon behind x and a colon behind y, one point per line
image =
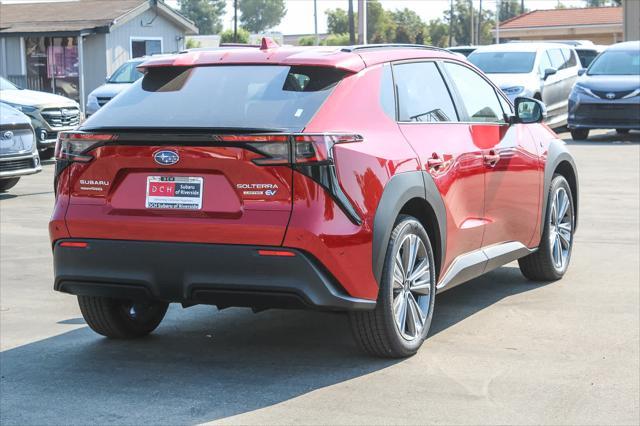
x: 255, y: 97
x: 422, y: 93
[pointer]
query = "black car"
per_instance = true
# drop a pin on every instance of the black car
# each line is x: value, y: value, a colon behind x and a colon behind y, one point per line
x: 607, y: 95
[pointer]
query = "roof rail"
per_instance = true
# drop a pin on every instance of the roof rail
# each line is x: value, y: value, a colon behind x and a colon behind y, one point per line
x: 357, y: 47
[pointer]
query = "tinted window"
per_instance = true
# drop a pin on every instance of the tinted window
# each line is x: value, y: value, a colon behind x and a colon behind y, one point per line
x: 238, y: 97
x: 587, y: 56
x: 387, y: 97
x: 545, y: 63
x: 422, y: 94
x: 616, y: 62
x: 570, y: 58
x: 503, y: 62
x: 127, y: 73
x: 557, y: 59
x: 479, y: 97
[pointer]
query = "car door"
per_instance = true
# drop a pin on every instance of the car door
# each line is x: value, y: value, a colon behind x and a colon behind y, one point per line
x: 429, y: 121
x: 510, y: 159
x: 555, y: 92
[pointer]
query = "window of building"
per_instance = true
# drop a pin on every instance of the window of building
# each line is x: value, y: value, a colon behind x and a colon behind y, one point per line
x: 145, y: 46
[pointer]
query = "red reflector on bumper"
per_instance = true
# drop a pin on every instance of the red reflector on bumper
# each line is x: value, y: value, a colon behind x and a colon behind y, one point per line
x: 74, y: 244
x: 281, y: 253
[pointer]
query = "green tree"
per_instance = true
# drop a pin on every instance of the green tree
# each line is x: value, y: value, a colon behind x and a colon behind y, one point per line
x: 337, y: 21
x: 509, y: 9
x: 307, y: 41
x: 438, y: 33
x: 227, y: 36
x: 206, y: 14
x: 603, y: 3
x: 462, y: 23
x: 260, y: 15
x: 380, y: 25
x: 409, y: 27
x: 336, y: 40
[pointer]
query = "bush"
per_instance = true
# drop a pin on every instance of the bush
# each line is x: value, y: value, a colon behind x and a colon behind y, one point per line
x: 227, y: 36
x: 307, y: 41
x: 336, y: 40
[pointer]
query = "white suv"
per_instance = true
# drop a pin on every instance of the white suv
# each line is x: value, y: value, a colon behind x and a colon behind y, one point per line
x: 546, y: 71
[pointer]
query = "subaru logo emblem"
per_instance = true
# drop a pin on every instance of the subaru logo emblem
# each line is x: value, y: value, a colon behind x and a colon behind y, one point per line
x: 610, y: 95
x: 7, y: 135
x: 166, y: 158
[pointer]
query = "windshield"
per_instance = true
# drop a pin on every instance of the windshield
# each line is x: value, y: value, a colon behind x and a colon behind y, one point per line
x: 616, y: 62
x: 503, y: 62
x: 231, y: 96
x: 127, y: 73
x: 7, y: 85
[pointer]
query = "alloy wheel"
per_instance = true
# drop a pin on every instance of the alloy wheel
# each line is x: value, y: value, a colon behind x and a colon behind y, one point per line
x: 561, y: 229
x: 411, y: 287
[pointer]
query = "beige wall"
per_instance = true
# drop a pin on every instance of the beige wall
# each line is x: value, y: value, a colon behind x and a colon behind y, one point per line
x: 601, y: 34
x: 631, y: 19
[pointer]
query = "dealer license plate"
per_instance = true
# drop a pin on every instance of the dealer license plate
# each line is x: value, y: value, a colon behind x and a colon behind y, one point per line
x: 174, y: 192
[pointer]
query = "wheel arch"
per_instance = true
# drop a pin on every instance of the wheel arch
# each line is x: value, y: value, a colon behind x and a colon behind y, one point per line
x: 560, y: 161
x: 415, y: 194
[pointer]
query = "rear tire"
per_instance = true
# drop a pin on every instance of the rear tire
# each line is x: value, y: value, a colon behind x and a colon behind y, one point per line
x: 551, y: 260
x: 622, y: 131
x: 7, y: 184
x: 399, y: 324
x: 47, y: 154
x: 121, y: 319
x: 579, y: 134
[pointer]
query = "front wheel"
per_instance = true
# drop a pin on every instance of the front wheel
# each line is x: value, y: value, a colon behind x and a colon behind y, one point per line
x: 400, y: 322
x: 579, y: 134
x: 121, y: 319
x: 7, y: 184
x: 551, y: 260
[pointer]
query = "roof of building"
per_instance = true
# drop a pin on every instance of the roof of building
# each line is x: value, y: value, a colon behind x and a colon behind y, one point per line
x: 349, y: 58
x: 80, y: 16
x: 565, y: 18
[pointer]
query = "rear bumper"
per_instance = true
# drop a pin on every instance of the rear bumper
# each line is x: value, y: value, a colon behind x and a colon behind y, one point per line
x: 222, y: 275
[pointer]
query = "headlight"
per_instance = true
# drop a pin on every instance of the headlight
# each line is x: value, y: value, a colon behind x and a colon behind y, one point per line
x: 632, y: 94
x: 510, y: 91
x: 583, y: 90
x: 24, y: 108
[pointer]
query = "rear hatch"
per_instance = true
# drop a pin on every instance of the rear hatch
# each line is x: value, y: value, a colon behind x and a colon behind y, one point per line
x: 193, y: 154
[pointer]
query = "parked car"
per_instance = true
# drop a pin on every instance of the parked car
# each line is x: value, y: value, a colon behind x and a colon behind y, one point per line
x: 18, y: 151
x: 463, y: 50
x: 49, y: 113
x: 587, y: 54
x: 607, y: 94
x: 304, y: 178
x: 544, y: 71
x: 121, y: 79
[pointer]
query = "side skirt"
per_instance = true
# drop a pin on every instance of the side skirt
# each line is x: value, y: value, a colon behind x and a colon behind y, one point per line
x: 479, y: 262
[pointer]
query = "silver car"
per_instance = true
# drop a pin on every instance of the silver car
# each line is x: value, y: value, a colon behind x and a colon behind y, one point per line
x: 18, y: 149
x: 122, y: 78
x: 545, y: 71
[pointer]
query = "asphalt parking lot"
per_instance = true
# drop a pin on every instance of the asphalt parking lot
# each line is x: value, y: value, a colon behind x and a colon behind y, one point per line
x: 502, y: 350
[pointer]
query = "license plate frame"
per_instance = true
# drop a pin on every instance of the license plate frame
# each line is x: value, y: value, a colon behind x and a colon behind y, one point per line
x: 174, y: 192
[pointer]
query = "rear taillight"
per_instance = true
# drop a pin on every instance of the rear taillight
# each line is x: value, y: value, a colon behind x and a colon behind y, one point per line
x: 75, y: 146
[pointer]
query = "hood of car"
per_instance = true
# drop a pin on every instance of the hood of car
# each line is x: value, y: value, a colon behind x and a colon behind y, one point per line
x: 10, y: 115
x: 613, y: 83
x: 505, y: 81
x: 109, y: 90
x: 35, y: 99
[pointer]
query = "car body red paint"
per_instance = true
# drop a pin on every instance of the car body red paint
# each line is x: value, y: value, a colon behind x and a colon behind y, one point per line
x: 489, y: 176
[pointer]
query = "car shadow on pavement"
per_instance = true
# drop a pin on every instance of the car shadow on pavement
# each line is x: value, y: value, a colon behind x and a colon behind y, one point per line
x: 632, y: 138
x: 203, y: 365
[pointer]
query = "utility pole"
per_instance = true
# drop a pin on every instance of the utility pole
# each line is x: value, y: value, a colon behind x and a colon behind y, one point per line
x: 498, y: 22
x: 479, y: 38
x: 521, y: 6
x: 472, y: 29
x: 235, y: 21
x: 315, y: 21
x: 352, y: 24
x: 362, y: 22
x: 451, y: 24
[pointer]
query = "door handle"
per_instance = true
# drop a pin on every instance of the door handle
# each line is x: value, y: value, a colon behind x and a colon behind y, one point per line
x: 435, y: 162
x: 491, y: 158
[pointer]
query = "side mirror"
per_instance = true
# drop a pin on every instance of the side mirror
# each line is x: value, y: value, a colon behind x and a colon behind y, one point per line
x: 548, y: 72
x: 529, y: 110
x: 581, y: 71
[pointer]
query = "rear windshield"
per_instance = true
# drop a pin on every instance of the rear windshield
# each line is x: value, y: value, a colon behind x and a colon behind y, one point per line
x: 260, y: 97
x: 503, y: 62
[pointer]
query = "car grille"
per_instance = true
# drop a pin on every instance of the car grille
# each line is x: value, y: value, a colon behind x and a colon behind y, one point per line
x: 62, y: 117
x: 616, y: 95
x: 15, y: 139
x: 102, y: 101
x: 612, y: 114
x: 13, y: 165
